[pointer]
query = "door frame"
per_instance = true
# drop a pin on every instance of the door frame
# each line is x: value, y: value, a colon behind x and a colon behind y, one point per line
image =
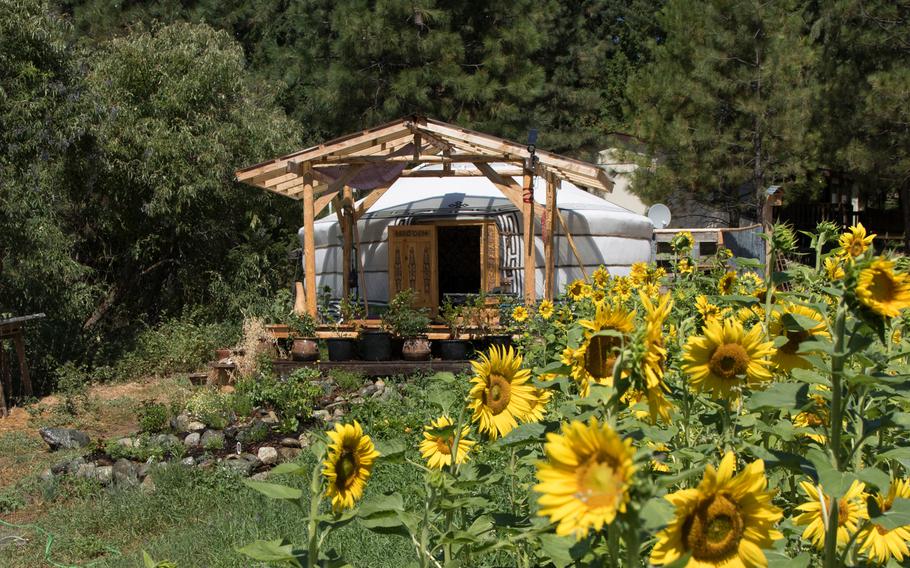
x: 489, y: 259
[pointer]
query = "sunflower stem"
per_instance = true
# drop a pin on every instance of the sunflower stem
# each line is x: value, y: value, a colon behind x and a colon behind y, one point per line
x: 837, y: 372
x: 312, y: 522
x: 613, y: 544
x: 633, y: 558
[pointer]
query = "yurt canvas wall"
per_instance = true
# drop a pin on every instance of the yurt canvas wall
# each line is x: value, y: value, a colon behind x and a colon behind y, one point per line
x: 455, y: 231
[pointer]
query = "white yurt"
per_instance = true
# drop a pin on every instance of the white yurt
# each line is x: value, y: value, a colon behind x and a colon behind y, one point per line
x: 456, y: 235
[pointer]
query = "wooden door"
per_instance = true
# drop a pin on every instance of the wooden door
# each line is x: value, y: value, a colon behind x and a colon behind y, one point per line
x: 489, y: 256
x: 412, y: 264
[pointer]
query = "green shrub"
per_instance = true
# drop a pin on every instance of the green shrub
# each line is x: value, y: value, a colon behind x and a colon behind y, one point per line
x: 153, y: 417
x: 72, y: 385
x: 211, y: 407
x: 255, y: 434
x: 293, y: 397
x: 346, y: 380
x: 213, y: 444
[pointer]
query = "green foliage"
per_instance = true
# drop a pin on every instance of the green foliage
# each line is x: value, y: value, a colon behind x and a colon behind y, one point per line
x: 293, y: 397
x: 211, y: 407
x: 346, y: 380
x: 153, y: 417
x: 302, y: 326
x: 72, y: 383
x: 402, y: 318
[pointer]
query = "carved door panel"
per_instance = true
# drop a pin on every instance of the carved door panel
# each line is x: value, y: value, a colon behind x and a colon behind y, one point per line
x: 489, y: 256
x: 412, y: 264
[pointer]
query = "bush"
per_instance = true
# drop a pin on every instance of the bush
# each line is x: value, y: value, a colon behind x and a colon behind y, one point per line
x: 346, y: 380
x: 72, y: 385
x: 293, y: 397
x: 213, y: 408
x: 153, y: 417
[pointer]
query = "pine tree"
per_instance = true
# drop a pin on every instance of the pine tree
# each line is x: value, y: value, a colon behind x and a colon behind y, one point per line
x: 725, y: 105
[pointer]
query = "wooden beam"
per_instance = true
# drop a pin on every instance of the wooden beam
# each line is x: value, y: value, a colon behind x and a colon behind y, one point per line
x: 530, y: 250
x: 347, y: 231
x: 508, y: 186
x: 549, y: 229
x: 422, y: 159
x: 432, y: 139
x: 324, y: 201
x: 370, y: 200
x: 569, y: 238
x: 473, y: 172
x: 309, y: 244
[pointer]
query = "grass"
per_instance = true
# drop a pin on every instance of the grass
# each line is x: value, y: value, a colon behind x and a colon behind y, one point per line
x: 199, y: 518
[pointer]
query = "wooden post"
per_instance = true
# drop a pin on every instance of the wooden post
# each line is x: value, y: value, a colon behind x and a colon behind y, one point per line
x: 549, y: 234
x: 309, y: 246
x: 347, y: 230
x: 24, y: 376
x: 530, y: 256
x: 4, y: 373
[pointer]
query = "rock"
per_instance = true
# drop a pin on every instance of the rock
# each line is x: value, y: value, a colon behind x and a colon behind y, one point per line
x: 143, y: 470
x: 181, y: 423
x: 104, y: 474
x: 379, y: 384
x: 167, y: 440
x: 288, y: 454
x: 270, y: 417
x: 357, y: 400
x: 73, y: 465
x: 304, y: 440
x: 64, y: 438
x: 290, y: 442
x: 252, y: 458
x: 128, y: 443
x: 322, y: 414
x: 147, y: 485
x: 86, y: 470
x: 261, y: 476
x: 339, y: 413
x: 368, y: 390
x: 206, y: 463
x: 230, y: 432
x: 46, y: 475
x: 242, y: 467
x: 62, y: 467
x: 212, y: 439
x: 195, y: 426
x: 188, y: 461
x: 192, y: 440
x: 268, y: 455
x: 124, y: 473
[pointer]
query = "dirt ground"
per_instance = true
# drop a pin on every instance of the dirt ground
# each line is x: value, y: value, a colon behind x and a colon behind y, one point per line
x: 106, y: 411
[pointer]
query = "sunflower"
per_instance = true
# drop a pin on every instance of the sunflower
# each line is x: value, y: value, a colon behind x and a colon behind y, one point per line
x: 787, y: 355
x: 438, y: 438
x: 594, y: 360
x: 727, y: 358
x: 882, y: 544
x: 726, y: 521
x: 897, y: 336
x: 854, y: 242
x: 519, y: 313
x: 545, y: 309
x: 585, y: 480
x: 601, y: 277
x: 348, y: 464
x: 883, y: 290
x: 660, y: 455
x: 682, y: 242
x: 598, y: 296
x: 814, y: 417
x: 685, y: 266
x: 577, y: 290
x: 500, y: 394
x: 622, y: 288
x: 707, y: 310
x: 638, y: 274
x: 834, y: 268
x: 851, y: 511
x: 751, y: 284
x: 538, y: 405
x: 655, y: 352
x: 725, y: 283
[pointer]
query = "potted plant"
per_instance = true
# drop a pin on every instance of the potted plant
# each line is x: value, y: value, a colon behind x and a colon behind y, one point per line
x: 410, y: 324
x: 454, y: 348
x: 303, y: 331
x: 497, y: 311
x: 349, y: 313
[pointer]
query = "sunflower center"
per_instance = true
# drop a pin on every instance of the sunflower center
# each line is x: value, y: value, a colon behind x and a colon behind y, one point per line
x: 713, y: 531
x: 794, y: 339
x: 600, y: 483
x: 729, y: 360
x: 881, y: 530
x: 882, y: 286
x: 600, y: 357
x: 498, y: 394
x: 345, y: 470
x: 856, y: 248
x: 444, y: 446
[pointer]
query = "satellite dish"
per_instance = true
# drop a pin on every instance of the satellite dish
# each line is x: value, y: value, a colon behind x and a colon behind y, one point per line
x: 659, y: 214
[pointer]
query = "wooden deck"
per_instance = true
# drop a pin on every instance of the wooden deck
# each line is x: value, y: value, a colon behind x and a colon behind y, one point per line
x: 375, y: 368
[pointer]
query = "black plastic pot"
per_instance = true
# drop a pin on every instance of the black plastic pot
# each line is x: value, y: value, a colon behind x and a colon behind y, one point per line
x: 342, y: 348
x: 501, y: 341
x: 453, y: 349
x: 375, y: 346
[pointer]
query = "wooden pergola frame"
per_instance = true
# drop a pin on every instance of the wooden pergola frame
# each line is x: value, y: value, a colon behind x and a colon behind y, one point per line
x: 311, y: 176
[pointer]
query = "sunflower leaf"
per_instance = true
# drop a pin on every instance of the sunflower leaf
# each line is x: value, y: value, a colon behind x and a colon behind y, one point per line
x: 897, y: 516
x: 274, y: 490
x: 656, y: 514
x: 780, y: 560
x: 391, y: 450
x: 562, y: 550
x: 530, y: 433
x: 274, y: 551
x: 779, y: 396
x: 833, y: 482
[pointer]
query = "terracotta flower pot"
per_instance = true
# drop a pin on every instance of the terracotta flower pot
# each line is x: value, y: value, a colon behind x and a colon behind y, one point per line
x: 305, y: 350
x: 416, y: 349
